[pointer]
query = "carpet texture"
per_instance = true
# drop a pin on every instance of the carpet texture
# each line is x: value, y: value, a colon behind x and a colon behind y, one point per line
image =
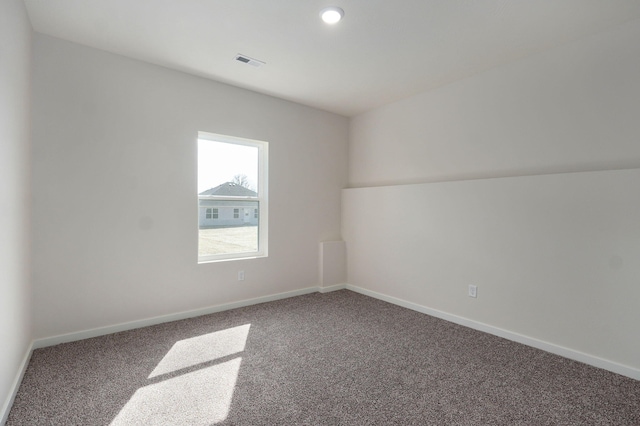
x: 321, y: 359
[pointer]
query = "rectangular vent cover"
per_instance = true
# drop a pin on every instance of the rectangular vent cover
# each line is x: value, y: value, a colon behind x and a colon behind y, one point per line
x: 250, y: 61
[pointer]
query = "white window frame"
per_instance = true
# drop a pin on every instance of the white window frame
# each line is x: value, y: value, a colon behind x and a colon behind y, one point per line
x: 262, y: 198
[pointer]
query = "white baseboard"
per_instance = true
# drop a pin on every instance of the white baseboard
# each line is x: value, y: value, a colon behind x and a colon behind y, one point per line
x: 594, y: 361
x: 101, y: 331
x: 6, y: 407
x: 624, y: 370
x: 331, y: 288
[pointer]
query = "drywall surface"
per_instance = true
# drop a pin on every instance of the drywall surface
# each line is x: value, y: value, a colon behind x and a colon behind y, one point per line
x: 572, y: 108
x: 333, y: 263
x: 114, y: 189
x: 554, y: 257
x: 15, y: 293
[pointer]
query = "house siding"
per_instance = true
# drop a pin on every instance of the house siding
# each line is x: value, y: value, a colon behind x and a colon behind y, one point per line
x: 246, y: 213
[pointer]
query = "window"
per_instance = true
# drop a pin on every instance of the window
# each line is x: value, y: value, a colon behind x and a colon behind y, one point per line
x: 211, y: 214
x: 232, y: 178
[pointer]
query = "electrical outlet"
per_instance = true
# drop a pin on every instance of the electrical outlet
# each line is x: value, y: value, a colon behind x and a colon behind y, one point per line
x: 240, y: 275
x: 473, y: 291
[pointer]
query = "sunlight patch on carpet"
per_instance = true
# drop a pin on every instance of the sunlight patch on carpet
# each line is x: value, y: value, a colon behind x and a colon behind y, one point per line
x: 198, y: 391
x: 202, y: 397
x: 197, y: 350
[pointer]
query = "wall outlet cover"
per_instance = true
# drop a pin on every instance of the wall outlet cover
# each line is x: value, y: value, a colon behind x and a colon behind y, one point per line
x: 473, y: 291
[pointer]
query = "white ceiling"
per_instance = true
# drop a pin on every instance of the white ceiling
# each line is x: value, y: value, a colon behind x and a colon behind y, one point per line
x: 382, y: 51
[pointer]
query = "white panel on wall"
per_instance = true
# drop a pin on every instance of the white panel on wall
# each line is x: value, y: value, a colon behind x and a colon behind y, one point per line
x: 554, y: 257
x: 333, y: 263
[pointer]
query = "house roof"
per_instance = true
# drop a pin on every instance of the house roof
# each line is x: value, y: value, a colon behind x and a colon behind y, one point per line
x: 230, y: 189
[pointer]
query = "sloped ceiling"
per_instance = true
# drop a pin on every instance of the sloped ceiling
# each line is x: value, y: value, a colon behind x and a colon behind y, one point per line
x: 380, y: 52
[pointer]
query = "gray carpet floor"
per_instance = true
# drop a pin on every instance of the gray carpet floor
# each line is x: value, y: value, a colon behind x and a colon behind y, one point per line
x: 321, y: 359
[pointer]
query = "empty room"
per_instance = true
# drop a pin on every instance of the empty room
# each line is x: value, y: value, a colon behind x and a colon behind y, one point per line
x: 320, y: 212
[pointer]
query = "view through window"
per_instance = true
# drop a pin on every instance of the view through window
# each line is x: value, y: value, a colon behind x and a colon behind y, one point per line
x: 232, y: 197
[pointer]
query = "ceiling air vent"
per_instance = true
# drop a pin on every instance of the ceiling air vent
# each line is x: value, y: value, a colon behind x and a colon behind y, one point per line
x: 250, y: 61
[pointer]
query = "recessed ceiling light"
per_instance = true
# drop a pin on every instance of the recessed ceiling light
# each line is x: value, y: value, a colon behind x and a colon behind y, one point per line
x: 331, y: 14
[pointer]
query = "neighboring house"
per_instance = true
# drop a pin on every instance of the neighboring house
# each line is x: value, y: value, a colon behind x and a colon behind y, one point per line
x: 225, y: 211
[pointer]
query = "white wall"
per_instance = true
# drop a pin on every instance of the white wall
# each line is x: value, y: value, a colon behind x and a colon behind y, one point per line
x: 555, y: 256
x: 114, y: 189
x: 15, y: 292
x: 573, y: 108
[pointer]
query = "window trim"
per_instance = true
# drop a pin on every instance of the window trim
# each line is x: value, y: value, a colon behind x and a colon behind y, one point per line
x: 262, y: 198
